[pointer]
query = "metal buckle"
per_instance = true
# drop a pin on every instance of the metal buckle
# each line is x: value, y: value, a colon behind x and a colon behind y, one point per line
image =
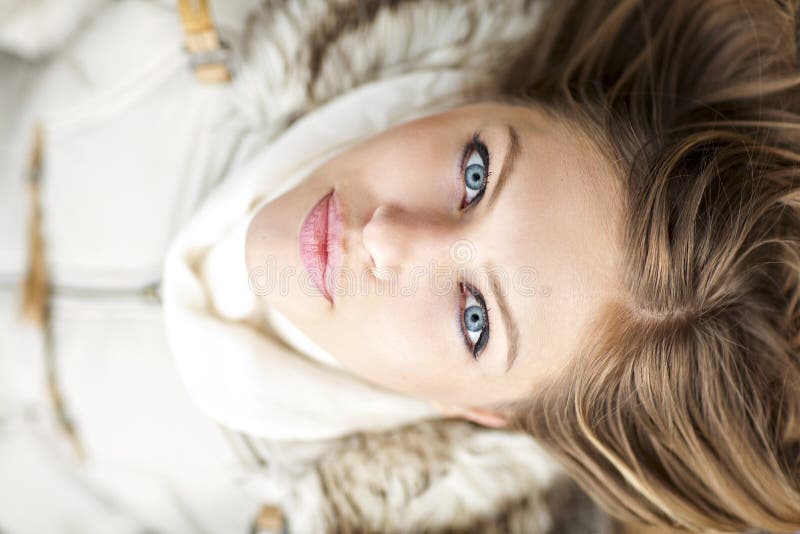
x: 209, y: 56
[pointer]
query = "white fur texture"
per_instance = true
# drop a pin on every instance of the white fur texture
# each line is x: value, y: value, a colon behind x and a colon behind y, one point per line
x: 431, y: 476
x: 275, y: 75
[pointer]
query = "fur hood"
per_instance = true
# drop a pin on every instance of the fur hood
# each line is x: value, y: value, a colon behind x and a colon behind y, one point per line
x: 437, y: 476
x: 292, y: 57
x: 445, y: 475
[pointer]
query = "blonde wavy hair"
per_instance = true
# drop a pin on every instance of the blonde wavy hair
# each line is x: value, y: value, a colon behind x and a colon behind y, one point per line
x: 684, y: 407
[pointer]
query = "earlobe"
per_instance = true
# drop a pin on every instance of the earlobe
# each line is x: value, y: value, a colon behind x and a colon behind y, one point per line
x: 481, y: 416
x: 486, y: 417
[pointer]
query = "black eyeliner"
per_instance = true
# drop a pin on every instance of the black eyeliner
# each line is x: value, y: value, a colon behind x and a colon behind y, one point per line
x: 480, y: 147
x: 476, y: 144
x: 483, y: 339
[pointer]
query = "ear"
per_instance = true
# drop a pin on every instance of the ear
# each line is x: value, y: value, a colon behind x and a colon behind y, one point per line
x: 482, y: 416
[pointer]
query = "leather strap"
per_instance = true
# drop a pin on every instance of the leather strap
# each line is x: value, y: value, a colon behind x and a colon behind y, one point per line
x: 270, y: 520
x: 35, y: 293
x: 207, y: 53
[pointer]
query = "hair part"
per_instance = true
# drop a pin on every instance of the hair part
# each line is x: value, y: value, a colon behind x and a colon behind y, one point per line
x: 683, y: 408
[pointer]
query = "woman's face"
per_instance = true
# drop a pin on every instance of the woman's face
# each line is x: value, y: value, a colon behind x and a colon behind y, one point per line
x: 464, y: 253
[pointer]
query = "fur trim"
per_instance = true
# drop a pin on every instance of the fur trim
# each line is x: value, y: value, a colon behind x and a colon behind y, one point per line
x: 298, y: 55
x: 437, y: 476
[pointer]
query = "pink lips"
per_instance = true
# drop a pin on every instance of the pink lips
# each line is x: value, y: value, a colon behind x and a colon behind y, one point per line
x: 321, y: 244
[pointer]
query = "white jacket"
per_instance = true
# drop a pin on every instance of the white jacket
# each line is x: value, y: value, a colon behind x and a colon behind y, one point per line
x: 129, y: 152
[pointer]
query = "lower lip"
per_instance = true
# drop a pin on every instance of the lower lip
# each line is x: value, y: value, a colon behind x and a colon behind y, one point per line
x: 320, y: 244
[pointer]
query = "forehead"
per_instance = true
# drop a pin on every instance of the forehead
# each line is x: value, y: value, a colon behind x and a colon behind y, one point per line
x: 556, y: 225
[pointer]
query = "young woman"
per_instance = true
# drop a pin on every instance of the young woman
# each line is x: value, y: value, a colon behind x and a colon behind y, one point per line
x: 590, y: 236
x: 638, y: 162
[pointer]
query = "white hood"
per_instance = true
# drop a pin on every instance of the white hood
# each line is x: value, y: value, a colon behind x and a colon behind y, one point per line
x: 246, y: 366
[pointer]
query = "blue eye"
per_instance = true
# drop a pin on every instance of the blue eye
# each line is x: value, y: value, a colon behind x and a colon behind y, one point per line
x: 476, y: 171
x: 474, y: 320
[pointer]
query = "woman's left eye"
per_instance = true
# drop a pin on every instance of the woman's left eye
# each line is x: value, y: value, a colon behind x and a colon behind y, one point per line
x: 474, y: 320
x: 475, y: 169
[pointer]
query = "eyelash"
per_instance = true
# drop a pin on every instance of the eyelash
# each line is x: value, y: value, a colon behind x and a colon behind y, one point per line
x: 484, y: 337
x: 475, y: 144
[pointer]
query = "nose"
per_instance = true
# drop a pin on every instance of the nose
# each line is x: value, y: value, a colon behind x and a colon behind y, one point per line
x: 397, y: 238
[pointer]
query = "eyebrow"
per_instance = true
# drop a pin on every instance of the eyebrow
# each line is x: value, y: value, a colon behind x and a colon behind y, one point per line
x: 512, y: 332
x: 514, y: 149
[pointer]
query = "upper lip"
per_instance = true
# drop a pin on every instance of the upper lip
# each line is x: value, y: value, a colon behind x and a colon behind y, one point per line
x: 334, y: 241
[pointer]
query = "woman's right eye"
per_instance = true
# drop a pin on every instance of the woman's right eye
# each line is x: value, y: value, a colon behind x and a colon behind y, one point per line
x: 475, y: 170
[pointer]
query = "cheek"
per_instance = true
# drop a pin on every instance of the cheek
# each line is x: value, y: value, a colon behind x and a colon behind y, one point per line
x: 391, y: 340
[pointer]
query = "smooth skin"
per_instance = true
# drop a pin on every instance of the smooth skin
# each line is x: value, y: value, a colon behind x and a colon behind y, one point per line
x: 540, y: 246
